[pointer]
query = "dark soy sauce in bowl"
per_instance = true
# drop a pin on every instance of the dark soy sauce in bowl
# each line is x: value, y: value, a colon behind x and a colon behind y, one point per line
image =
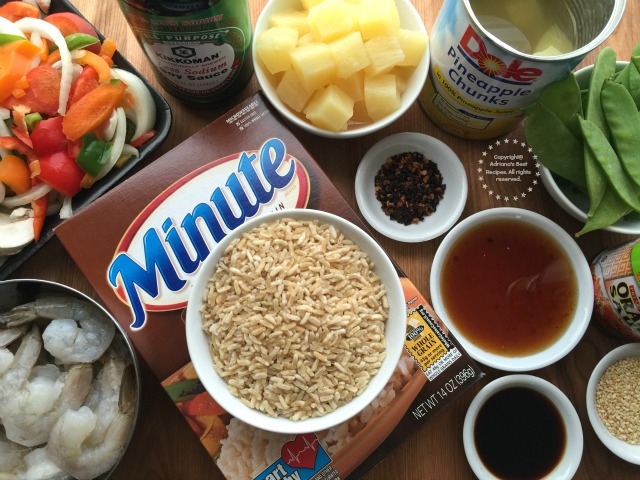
x: 519, y: 434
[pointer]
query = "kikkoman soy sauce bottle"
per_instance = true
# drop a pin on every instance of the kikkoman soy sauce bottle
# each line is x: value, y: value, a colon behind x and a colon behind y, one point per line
x: 200, y: 50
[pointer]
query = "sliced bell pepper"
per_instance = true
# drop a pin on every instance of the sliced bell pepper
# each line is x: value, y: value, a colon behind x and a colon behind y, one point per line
x: 16, y: 10
x: 61, y: 172
x: 142, y: 138
x: 15, y: 62
x: 47, y: 137
x: 91, y: 110
x: 93, y: 154
x: 83, y: 84
x: 12, y: 143
x: 39, y: 207
x: 43, y: 92
x: 15, y: 173
x: 85, y: 57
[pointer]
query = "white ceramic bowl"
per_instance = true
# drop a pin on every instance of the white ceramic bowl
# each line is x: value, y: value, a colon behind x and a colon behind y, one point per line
x: 572, y: 455
x: 624, y: 450
x: 198, y: 345
x: 572, y: 201
x: 409, y: 18
x: 453, y: 174
x: 575, y: 330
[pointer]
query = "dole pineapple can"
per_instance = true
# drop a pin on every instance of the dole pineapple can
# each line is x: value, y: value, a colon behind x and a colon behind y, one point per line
x: 481, y: 75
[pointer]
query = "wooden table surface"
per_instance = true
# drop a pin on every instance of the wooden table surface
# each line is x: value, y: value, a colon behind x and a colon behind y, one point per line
x: 164, y: 447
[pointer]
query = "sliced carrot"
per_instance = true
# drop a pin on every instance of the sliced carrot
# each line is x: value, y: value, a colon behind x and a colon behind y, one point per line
x: 15, y: 173
x: 91, y: 110
x: 85, y: 57
x: 16, y: 10
x: 108, y: 47
x: 15, y: 62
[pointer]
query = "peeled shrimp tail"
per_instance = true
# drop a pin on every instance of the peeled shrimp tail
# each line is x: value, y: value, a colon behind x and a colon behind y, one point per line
x: 23, y: 361
x: 67, y: 443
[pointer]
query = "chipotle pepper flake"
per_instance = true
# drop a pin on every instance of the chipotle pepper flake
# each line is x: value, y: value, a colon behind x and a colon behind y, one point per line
x: 409, y: 187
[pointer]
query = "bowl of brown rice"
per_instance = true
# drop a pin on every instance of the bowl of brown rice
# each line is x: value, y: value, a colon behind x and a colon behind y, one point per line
x: 296, y: 321
x: 613, y: 401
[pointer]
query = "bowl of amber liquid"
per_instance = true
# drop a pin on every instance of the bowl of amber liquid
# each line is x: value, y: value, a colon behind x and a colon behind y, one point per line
x: 513, y: 287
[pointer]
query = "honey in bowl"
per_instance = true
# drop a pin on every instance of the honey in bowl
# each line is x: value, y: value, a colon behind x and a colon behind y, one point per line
x: 509, y: 287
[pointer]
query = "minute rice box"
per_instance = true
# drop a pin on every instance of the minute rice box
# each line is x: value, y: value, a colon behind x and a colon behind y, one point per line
x: 242, y: 165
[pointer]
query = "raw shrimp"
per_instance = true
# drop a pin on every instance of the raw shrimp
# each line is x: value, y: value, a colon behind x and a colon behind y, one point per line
x: 89, y: 441
x: 79, y: 331
x: 23, y: 361
x: 38, y: 466
x: 11, y: 455
x: 6, y: 358
x: 9, y: 335
x: 29, y: 414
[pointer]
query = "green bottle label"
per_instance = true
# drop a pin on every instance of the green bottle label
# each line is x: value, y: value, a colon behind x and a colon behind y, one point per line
x: 199, y: 56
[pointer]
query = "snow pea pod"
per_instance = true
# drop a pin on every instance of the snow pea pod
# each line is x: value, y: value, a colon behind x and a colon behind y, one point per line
x: 606, y: 156
x: 611, y: 209
x: 555, y: 146
x: 621, y: 115
x: 563, y: 98
x: 603, y: 68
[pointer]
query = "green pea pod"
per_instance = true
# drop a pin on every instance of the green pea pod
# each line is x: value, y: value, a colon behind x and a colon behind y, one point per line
x: 603, y: 68
x: 7, y: 38
x: 623, y: 120
x: 563, y: 98
x: 606, y: 156
x: 76, y: 41
x: 555, y: 146
x: 634, y: 80
x: 611, y: 209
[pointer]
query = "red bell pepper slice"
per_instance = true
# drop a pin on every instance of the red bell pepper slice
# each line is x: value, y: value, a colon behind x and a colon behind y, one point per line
x: 39, y: 207
x: 43, y: 92
x: 61, y: 172
x: 47, y: 137
x: 83, y: 84
x: 12, y: 143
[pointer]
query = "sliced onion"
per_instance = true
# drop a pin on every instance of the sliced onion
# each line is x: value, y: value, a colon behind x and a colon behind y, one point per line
x: 118, y: 143
x: 50, y: 32
x: 9, y: 28
x: 130, y: 150
x: 36, y: 39
x: 143, y: 112
x: 27, y: 197
x: 66, y: 211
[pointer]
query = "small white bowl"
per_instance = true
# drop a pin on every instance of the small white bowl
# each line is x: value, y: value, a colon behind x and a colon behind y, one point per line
x: 448, y: 210
x: 570, y: 460
x: 570, y: 199
x: 198, y: 344
x: 575, y: 330
x: 624, y: 450
x: 409, y: 18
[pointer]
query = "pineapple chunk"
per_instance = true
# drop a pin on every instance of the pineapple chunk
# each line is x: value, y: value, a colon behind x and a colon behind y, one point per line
x: 314, y: 65
x: 290, y: 18
x: 349, y: 54
x: 273, y: 47
x: 353, y: 85
x: 378, y: 17
x: 330, y: 108
x: 413, y: 44
x: 305, y: 39
x: 291, y: 91
x: 307, y: 4
x: 381, y: 95
x: 384, y: 52
x: 329, y: 20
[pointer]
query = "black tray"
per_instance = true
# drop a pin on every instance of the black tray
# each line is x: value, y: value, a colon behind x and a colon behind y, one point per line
x: 86, y: 196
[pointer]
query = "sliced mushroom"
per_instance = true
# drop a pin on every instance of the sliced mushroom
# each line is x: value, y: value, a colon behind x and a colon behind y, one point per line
x: 16, y: 231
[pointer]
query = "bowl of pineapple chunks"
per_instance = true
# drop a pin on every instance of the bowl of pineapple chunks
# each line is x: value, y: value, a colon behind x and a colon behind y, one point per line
x: 340, y: 68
